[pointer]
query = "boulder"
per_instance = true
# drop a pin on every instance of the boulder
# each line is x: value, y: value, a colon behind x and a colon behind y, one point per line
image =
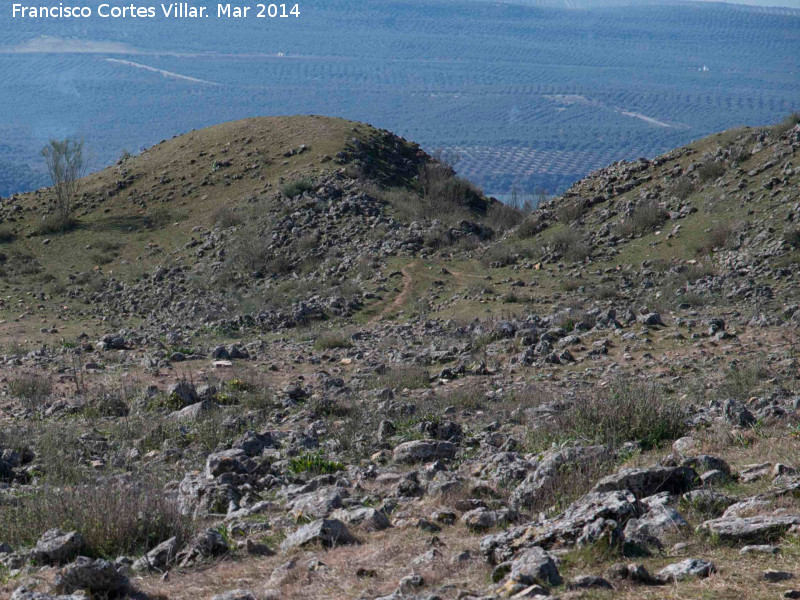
x: 369, y: 519
x: 319, y: 503
x: 57, y: 548
x: 550, y: 468
x: 192, y: 412
x: 686, y: 569
x: 759, y: 549
x: 207, y: 544
x: 326, y: 532
x: 637, y: 573
x: 652, y: 319
x: 650, y: 481
x: 22, y: 593
x: 535, y: 566
x: 424, y: 451
x: 586, y: 582
x: 565, y: 529
x: 656, y: 523
x: 94, y: 576
x: 184, y: 393
x: 737, y: 414
x: 159, y: 558
x: 748, y: 530
x: 708, y: 502
x: 227, y: 461
x: 199, y: 497
x: 253, y: 444
x: 705, y: 462
x: 482, y: 519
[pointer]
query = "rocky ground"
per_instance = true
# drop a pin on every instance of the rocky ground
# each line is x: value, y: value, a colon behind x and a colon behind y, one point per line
x: 295, y: 358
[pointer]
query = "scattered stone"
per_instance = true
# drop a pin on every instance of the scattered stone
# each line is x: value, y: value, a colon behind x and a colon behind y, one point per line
x: 759, y: 549
x: 750, y: 530
x: 235, y: 595
x: 687, y: 569
x: 586, y: 582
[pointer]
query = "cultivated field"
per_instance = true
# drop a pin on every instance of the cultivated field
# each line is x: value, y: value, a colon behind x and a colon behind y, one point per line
x: 565, y: 90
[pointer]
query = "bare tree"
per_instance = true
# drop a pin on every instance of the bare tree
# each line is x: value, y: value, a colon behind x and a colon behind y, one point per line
x: 66, y: 164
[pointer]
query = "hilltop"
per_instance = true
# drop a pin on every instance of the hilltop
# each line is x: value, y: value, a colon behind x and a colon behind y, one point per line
x: 299, y: 357
x: 253, y: 217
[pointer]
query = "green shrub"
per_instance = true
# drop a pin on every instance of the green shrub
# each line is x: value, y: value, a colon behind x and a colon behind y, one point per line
x: 571, y: 244
x: 55, y: 223
x: 568, y: 211
x: 157, y: 218
x: 332, y: 340
x: 297, y: 187
x: 500, y: 254
x: 740, y: 381
x: 646, y: 217
x: 791, y: 236
x: 710, y: 171
x: 251, y: 253
x: 788, y: 123
x: 314, y: 463
x: 446, y: 196
x: 528, y: 228
x: 604, y: 292
x: 7, y: 234
x: 502, y: 217
x: 226, y: 217
x: 32, y: 388
x: 682, y: 188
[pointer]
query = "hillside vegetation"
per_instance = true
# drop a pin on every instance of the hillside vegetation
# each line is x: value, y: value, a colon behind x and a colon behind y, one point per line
x: 298, y: 357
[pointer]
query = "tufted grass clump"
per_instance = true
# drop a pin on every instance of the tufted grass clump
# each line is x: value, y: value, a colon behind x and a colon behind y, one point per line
x: 114, y: 517
x: 628, y: 410
x: 332, y: 340
x: 297, y: 187
x: 314, y: 463
x: 33, y: 389
x: 412, y: 377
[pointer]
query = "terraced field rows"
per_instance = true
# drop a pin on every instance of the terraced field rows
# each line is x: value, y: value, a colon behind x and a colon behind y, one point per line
x: 457, y: 74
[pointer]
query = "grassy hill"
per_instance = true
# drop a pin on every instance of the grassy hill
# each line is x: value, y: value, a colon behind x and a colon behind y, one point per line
x: 212, y: 203
x: 299, y: 358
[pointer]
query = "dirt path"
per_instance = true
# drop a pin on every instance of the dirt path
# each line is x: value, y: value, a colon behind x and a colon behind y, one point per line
x: 401, y: 298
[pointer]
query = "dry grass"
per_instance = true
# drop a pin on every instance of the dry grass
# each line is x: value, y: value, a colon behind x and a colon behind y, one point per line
x: 628, y: 410
x: 388, y: 554
x: 401, y: 377
x: 33, y: 389
x: 571, y: 244
x: 114, y: 518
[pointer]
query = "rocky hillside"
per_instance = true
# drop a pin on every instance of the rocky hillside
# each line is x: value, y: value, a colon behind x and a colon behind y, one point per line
x: 299, y: 358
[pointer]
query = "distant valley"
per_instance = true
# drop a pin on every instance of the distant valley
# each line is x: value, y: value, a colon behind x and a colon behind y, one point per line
x: 527, y: 95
